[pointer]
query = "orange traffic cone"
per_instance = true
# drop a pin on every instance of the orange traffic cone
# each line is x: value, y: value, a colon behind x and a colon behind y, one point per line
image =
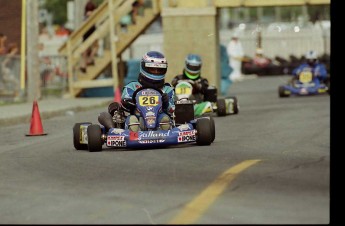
x: 36, y: 128
x: 117, y: 96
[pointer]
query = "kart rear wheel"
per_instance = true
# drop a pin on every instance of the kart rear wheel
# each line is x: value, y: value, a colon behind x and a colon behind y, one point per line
x: 221, y: 107
x: 94, y: 134
x: 281, y: 91
x: 213, y: 129
x: 204, y: 134
x: 76, y: 136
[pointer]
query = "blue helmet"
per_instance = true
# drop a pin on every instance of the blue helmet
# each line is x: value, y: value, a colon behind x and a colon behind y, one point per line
x: 192, y: 66
x: 153, y: 67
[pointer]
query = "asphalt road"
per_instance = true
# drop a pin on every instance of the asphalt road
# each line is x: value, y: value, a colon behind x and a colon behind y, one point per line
x: 270, y: 164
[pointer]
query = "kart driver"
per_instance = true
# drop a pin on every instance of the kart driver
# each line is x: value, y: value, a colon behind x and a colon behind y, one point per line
x: 153, y: 67
x: 312, y: 64
x: 192, y: 74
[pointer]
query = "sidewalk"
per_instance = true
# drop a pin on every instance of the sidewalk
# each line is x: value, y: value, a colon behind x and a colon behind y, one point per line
x: 21, y: 112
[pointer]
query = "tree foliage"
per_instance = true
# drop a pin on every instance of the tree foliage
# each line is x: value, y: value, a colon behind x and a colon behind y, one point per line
x: 58, y: 8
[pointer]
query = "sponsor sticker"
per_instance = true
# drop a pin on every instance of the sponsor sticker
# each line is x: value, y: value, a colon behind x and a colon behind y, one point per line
x: 187, y: 133
x: 133, y: 135
x: 116, y: 143
x: 151, y: 141
x: 150, y: 120
x: 186, y: 138
x: 156, y: 65
x: 148, y: 135
x: 116, y: 138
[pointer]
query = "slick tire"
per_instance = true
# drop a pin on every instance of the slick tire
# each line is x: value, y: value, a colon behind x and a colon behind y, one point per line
x: 94, y: 134
x: 204, y: 134
x: 221, y: 107
x: 281, y: 92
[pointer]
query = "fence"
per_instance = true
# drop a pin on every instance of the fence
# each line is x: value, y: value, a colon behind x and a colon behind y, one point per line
x: 53, y: 68
x: 275, y: 43
x: 53, y: 77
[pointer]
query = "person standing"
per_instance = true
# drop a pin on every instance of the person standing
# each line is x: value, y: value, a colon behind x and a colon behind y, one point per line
x: 89, y: 55
x: 235, y: 52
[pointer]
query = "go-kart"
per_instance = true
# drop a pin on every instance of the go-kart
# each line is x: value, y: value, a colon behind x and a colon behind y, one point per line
x: 303, y: 85
x: 183, y: 129
x: 208, y: 103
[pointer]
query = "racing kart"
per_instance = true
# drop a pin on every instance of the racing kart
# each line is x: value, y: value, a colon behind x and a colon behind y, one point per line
x: 303, y: 85
x: 148, y: 101
x: 208, y: 103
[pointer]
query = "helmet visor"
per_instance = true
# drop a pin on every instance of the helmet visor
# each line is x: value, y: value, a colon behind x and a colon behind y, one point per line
x: 193, y: 68
x: 155, y: 68
x: 311, y: 61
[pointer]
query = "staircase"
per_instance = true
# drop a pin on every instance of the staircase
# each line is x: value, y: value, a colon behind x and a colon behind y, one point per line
x: 106, y: 18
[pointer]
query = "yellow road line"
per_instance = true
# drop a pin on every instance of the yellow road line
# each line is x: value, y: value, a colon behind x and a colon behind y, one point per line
x: 198, y: 205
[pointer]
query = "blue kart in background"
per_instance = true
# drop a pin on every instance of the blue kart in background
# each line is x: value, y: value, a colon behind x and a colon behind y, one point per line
x: 184, y: 128
x: 305, y: 84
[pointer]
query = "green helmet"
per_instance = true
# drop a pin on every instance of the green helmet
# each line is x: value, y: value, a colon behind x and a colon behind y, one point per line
x: 193, y: 66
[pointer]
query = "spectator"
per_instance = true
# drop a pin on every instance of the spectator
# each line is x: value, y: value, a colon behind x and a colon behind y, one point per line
x: 226, y: 70
x: 235, y: 52
x: 131, y: 17
x: 7, y: 67
x: 89, y: 55
x: 135, y: 10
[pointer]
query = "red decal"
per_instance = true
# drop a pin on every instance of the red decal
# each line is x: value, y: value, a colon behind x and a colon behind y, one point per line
x: 133, y: 135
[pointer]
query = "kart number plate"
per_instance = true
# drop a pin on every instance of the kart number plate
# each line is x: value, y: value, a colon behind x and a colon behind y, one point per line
x: 305, y: 76
x: 183, y: 90
x: 148, y: 100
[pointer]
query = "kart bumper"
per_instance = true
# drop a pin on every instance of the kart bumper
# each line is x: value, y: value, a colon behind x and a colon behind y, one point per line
x: 302, y: 91
x: 117, y: 138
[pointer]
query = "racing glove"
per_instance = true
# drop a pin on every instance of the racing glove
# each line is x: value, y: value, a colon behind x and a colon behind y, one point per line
x: 204, y: 86
x: 165, y: 101
x: 128, y: 104
x: 114, y: 107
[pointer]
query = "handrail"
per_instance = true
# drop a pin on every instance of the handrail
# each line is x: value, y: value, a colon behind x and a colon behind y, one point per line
x: 100, y: 18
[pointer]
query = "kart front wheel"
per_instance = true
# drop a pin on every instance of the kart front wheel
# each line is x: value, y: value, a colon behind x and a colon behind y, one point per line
x: 204, y: 134
x: 281, y: 91
x: 221, y: 107
x: 78, y: 133
x: 94, y: 134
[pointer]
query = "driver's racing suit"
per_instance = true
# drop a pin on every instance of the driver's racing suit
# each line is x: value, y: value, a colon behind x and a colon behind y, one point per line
x: 127, y: 108
x: 318, y: 70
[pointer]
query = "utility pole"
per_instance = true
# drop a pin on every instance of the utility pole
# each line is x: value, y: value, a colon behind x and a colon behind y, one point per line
x: 33, y: 78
